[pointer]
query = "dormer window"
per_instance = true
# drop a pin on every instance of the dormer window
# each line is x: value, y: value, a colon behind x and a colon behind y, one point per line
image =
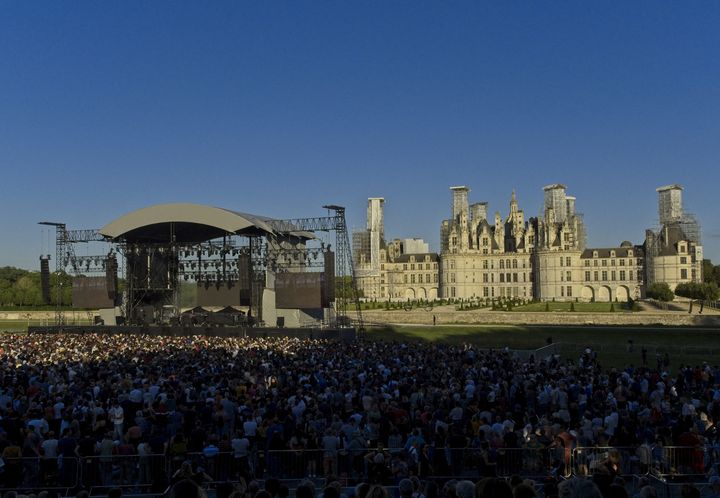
x: 595, y: 254
x: 612, y: 254
x: 630, y: 254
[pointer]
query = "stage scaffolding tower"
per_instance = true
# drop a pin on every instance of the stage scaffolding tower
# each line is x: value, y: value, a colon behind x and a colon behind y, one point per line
x: 346, y: 293
x: 64, y: 255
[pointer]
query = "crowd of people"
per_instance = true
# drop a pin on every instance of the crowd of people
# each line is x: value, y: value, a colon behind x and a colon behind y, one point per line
x: 212, y: 409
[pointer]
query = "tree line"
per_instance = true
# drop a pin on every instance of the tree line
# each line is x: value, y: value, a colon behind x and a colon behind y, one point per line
x: 22, y: 288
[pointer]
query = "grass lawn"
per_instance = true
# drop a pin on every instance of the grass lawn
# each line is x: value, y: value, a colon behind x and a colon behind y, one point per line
x: 685, y: 345
x: 586, y: 307
x: 22, y: 325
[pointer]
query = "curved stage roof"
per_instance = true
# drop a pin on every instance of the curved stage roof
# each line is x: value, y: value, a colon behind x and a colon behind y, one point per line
x: 189, y: 223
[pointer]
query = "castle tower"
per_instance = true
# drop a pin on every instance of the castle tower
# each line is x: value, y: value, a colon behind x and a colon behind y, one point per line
x: 670, y: 207
x: 556, y: 199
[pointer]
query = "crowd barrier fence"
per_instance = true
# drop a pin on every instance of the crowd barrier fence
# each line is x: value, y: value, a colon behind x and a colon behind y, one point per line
x: 354, y: 464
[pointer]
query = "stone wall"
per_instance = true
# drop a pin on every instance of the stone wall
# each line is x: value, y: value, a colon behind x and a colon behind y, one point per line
x: 540, y: 318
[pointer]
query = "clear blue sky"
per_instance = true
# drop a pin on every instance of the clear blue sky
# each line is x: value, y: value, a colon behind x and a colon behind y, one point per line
x: 279, y: 107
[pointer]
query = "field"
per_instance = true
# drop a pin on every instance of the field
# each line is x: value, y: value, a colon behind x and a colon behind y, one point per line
x: 684, y: 345
x: 22, y: 325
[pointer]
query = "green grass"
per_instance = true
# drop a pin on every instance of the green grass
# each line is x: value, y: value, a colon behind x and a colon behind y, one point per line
x: 579, y: 307
x: 22, y: 325
x: 685, y: 345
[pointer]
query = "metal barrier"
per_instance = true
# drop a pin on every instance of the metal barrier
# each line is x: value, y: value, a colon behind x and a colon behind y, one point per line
x: 588, y: 461
x: 678, y: 461
x: 122, y: 470
x: 219, y: 466
x: 143, y: 471
x: 39, y: 472
x: 294, y: 464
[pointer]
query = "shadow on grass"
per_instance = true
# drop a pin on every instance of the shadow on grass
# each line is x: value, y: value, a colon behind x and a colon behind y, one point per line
x: 685, y: 345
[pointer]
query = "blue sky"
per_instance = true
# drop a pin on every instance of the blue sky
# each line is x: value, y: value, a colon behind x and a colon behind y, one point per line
x: 280, y: 107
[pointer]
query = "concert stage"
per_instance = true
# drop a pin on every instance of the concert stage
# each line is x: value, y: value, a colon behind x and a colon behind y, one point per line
x: 343, y: 334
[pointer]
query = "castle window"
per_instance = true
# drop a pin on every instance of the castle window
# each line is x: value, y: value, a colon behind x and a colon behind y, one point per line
x: 412, y: 279
x: 515, y: 277
x: 502, y: 278
x: 612, y: 275
x: 630, y: 254
x: 604, y: 262
x: 405, y: 266
x: 622, y: 274
x: 485, y: 277
x: 612, y: 254
x: 435, y: 277
x: 595, y: 254
x: 604, y: 276
x: 561, y: 261
x: 485, y: 241
x: 595, y: 262
x: 568, y: 276
x: 587, y: 262
x: 485, y: 264
x: 502, y: 264
x: 569, y: 291
x: 587, y: 276
x: 683, y: 260
x: 514, y: 263
x: 427, y: 278
x: 682, y: 248
x: 612, y: 262
x: 622, y: 262
x: 595, y: 276
x: 568, y: 261
x: 683, y: 274
x: 531, y: 239
x: 562, y: 291
x: 412, y: 266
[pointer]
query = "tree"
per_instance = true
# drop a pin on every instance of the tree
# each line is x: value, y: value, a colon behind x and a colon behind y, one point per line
x: 711, y: 273
x: 660, y: 291
x: 689, y: 290
x: 710, y: 292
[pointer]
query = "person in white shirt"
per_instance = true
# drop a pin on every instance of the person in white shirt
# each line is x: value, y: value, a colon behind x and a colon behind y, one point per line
x: 117, y: 416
